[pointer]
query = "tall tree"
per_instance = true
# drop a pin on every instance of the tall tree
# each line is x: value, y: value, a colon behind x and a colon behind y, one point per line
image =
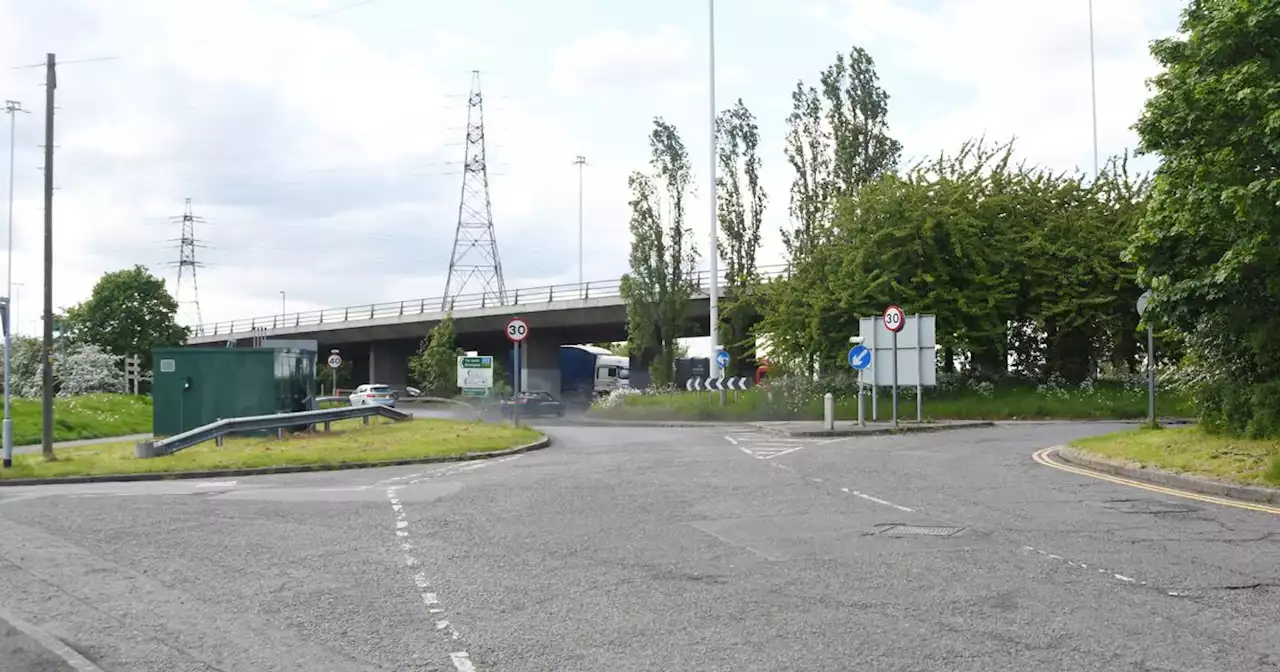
x: 435, y: 366
x: 663, y: 258
x: 128, y: 313
x: 837, y: 141
x: 740, y: 206
x: 1209, y: 243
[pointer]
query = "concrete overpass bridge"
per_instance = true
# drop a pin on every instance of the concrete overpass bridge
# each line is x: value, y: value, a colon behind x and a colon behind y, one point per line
x: 379, y: 338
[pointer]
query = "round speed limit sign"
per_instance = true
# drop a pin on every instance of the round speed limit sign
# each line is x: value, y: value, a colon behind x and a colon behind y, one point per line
x: 894, y: 319
x: 335, y: 361
x: 517, y: 330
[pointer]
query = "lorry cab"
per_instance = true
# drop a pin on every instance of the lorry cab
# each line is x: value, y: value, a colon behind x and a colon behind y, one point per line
x: 612, y: 372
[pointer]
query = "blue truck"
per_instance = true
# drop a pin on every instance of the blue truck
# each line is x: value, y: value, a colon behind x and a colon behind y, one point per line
x: 588, y: 371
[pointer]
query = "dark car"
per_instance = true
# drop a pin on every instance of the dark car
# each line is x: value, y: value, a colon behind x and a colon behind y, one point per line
x: 534, y: 404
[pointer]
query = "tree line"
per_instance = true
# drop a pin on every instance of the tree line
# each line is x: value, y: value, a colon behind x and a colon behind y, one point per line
x: 1034, y: 273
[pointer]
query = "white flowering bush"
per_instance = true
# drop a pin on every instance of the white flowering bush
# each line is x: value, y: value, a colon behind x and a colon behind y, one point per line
x: 87, y: 369
x: 616, y: 397
x: 77, y: 369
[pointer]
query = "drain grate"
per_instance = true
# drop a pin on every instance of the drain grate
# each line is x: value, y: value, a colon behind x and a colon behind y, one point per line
x: 917, y: 530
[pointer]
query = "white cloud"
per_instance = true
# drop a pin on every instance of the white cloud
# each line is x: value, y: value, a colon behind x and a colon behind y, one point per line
x: 666, y: 60
x: 1021, y: 68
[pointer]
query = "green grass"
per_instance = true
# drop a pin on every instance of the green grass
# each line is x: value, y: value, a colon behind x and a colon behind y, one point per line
x: 350, y: 441
x: 91, y: 416
x: 1190, y: 450
x: 1017, y: 403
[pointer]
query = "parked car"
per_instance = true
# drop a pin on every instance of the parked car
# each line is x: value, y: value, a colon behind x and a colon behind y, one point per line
x: 373, y: 394
x: 533, y: 404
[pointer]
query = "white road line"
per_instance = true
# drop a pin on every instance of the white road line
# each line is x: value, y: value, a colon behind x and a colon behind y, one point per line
x: 730, y: 439
x: 217, y: 484
x: 461, y: 660
x: 877, y: 500
x: 746, y: 450
x: 1080, y: 565
x: 778, y: 454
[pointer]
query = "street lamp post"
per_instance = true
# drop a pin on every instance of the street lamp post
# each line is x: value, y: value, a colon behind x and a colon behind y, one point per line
x: 282, y: 312
x: 12, y: 108
x: 580, y: 162
x: 714, y: 243
x: 1093, y: 92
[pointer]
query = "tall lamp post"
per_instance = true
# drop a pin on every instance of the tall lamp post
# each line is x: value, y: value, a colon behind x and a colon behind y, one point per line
x: 1093, y: 92
x: 580, y: 162
x: 714, y: 242
x: 12, y: 108
x: 282, y: 308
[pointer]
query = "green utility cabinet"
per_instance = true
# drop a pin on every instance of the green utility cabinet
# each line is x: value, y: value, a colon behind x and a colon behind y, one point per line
x: 197, y: 386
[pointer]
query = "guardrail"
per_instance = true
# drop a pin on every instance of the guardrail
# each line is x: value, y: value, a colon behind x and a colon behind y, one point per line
x: 518, y: 297
x: 216, y: 431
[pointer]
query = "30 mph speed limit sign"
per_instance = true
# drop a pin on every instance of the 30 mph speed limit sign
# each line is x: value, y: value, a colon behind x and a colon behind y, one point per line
x: 894, y: 319
x: 517, y: 330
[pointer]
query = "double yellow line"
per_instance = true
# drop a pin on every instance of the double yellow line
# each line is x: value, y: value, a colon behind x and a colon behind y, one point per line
x: 1047, y: 458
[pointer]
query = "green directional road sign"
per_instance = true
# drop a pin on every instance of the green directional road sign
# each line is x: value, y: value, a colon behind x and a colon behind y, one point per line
x: 475, y: 373
x: 475, y: 391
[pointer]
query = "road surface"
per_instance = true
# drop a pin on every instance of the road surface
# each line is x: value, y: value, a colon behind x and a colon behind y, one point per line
x: 642, y: 549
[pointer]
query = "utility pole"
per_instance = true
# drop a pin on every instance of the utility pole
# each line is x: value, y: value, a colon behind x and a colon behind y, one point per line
x: 714, y: 294
x: 1093, y: 86
x: 580, y: 161
x: 282, y: 307
x: 12, y: 108
x: 46, y: 353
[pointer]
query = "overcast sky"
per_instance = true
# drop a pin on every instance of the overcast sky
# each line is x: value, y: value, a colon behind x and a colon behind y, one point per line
x: 323, y: 147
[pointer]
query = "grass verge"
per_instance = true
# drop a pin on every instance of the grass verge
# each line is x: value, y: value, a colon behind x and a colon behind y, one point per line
x: 350, y: 441
x: 1015, y: 403
x: 91, y: 416
x: 1190, y: 450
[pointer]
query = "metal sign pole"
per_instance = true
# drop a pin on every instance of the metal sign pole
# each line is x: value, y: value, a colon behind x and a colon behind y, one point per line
x: 875, y: 389
x: 919, y: 370
x: 862, y: 418
x: 1151, y: 376
x: 895, y: 379
x: 515, y: 384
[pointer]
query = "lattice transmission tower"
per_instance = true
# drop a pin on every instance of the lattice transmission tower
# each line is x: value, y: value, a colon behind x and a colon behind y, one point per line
x: 187, y: 263
x: 475, y: 248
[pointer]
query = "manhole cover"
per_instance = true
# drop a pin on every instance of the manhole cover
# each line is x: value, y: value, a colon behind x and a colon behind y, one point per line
x: 904, y: 530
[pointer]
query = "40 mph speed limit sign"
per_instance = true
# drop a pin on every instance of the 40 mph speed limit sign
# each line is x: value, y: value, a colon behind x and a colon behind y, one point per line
x: 517, y: 330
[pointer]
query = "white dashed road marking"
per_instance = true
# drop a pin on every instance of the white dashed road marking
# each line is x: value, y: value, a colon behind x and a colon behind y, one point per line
x: 877, y: 500
x: 430, y: 599
x: 1080, y: 565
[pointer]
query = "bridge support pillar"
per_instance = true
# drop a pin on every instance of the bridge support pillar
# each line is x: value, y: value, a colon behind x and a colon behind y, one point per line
x: 540, y: 370
x: 388, y: 365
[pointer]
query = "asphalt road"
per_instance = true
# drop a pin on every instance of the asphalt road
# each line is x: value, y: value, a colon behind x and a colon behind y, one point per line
x: 654, y: 549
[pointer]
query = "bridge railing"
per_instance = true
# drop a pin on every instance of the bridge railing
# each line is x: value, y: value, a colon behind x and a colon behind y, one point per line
x: 524, y: 296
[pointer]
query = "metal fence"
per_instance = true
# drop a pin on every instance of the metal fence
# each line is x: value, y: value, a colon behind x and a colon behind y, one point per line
x: 216, y: 431
x: 527, y: 296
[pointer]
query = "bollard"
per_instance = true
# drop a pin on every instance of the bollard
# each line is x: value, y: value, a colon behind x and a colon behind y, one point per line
x: 862, y: 418
x: 828, y: 411
x: 326, y: 427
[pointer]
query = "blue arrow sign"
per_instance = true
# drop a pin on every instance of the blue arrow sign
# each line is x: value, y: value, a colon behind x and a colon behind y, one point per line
x: 722, y: 358
x: 859, y: 357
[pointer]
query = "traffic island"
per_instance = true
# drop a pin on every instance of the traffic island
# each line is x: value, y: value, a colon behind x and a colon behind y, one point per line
x: 1186, y: 458
x: 351, y: 445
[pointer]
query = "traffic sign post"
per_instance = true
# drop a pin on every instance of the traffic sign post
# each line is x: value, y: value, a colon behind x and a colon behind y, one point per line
x: 517, y: 331
x: 859, y: 360
x: 335, y: 361
x: 894, y: 321
x: 1151, y: 359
